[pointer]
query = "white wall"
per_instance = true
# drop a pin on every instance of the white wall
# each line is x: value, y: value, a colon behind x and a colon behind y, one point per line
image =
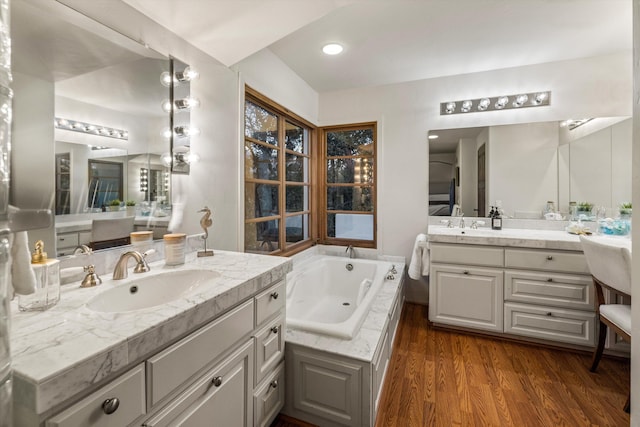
x: 32, y: 170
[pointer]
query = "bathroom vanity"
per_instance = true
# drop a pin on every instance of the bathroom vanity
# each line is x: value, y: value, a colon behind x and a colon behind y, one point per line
x: 213, y: 356
x: 527, y: 284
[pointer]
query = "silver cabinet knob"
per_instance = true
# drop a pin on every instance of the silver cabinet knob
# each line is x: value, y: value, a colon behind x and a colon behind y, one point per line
x: 274, y: 384
x: 275, y: 329
x: 110, y: 405
x: 465, y: 272
x: 549, y: 257
x: 274, y: 295
x: 549, y: 314
x: 217, y: 381
x: 550, y: 279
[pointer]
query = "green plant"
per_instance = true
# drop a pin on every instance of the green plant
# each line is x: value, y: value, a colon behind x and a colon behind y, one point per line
x: 130, y: 203
x: 115, y: 202
x: 585, y: 206
x: 625, y: 208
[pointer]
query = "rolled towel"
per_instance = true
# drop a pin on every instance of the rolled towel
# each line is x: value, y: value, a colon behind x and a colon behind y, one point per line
x: 22, y: 276
x: 419, y: 265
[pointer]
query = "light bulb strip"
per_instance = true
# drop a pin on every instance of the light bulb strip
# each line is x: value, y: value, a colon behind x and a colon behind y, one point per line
x: 496, y: 103
x: 91, y: 129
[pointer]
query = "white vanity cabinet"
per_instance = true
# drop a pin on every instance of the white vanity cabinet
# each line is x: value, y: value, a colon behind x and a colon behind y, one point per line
x: 466, y: 286
x: 536, y: 294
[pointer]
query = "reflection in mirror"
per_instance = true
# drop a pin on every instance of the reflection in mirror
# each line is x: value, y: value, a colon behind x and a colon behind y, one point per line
x: 523, y: 166
x: 95, y: 82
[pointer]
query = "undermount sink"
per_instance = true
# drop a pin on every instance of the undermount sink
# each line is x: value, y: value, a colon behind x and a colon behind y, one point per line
x: 150, y: 291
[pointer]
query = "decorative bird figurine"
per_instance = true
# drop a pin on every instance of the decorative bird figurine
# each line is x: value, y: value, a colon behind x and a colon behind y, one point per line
x: 205, y: 223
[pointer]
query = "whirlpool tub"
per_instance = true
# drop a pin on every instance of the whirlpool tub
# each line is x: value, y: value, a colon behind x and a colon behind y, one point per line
x: 331, y: 295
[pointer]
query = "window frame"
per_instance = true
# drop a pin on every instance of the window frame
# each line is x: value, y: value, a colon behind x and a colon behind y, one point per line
x: 324, y: 185
x: 284, y: 115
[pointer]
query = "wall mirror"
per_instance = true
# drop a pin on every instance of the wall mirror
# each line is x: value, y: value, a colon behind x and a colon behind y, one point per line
x: 522, y: 166
x: 102, y: 95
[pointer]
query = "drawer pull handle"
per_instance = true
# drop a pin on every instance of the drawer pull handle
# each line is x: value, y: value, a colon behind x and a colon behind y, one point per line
x: 217, y: 381
x: 465, y: 272
x: 111, y: 405
x: 549, y: 314
x: 274, y: 384
x: 274, y: 295
x: 549, y: 279
x: 549, y: 257
x: 275, y: 329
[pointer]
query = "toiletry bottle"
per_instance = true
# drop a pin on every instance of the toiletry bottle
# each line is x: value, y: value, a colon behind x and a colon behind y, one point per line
x: 47, y: 290
x: 496, y: 220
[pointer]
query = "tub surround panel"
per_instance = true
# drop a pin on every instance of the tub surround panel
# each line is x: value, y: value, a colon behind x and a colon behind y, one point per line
x: 69, y: 348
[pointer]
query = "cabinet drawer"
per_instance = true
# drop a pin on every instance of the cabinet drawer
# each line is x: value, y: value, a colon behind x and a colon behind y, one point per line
x: 67, y: 240
x: 467, y: 254
x: 555, y: 324
x: 268, y: 399
x: 548, y: 260
x: 553, y: 289
x: 128, y: 389
x: 219, y: 398
x: 270, y: 302
x: 171, y: 367
x: 269, y: 347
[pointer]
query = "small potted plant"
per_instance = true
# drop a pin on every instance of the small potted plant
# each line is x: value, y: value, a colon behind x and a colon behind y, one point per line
x: 130, y: 206
x: 584, y: 208
x: 114, y: 205
x: 625, y: 210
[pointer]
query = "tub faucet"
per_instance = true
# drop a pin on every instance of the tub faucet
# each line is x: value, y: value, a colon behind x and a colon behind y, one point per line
x: 351, y: 251
x: 120, y: 271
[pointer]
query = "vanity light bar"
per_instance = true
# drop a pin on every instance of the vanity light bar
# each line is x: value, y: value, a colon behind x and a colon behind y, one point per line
x: 98, y: 130
x: 503, y: 102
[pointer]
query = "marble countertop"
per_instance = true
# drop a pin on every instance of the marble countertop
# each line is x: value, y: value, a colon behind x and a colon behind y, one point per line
x: 68, y: 348
x: 516, y: 237
x: 85, y: 224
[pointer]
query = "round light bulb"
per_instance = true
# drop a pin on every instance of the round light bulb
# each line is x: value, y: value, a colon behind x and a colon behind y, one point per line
x: 484, y: 104
x: 466, y: 106
x: 332, y: 48
x: 166, y: 106
x: 450, y: 107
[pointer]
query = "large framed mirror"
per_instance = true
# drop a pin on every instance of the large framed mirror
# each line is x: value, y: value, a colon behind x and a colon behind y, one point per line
x: 96, y: 97
x: 525, y: 166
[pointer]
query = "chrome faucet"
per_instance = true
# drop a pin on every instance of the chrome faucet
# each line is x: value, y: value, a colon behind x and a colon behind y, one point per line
x: 461, y: 225
x: 120, y: 271
x: 82, y: 249
x: 351, y: 251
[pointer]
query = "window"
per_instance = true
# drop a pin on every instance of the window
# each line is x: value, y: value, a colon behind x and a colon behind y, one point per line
x: 277, y: 176
x: 349, y: 215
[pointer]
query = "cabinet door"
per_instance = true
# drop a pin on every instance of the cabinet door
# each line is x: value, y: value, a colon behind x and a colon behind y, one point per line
x: 269, y: 347
x: 220, y: 398
x: 467, y: 297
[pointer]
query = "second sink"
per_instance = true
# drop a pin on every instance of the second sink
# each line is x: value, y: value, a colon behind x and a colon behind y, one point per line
x: 150, y: 291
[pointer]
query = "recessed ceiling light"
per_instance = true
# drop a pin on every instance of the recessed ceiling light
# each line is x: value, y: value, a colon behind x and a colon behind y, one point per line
x: 332, y: 48
x: 433, y: 136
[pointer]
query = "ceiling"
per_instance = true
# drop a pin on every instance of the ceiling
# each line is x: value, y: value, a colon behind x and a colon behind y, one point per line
x: 392, y: 41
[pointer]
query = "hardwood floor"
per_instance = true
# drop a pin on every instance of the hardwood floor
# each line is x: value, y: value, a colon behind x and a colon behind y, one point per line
x: 443, y: 378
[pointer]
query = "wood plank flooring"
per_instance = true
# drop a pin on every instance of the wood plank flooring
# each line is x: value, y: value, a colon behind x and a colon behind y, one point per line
x: 443, y: 378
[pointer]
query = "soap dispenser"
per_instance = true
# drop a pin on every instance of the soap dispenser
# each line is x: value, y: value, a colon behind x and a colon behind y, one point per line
x: 47, y: 274
x: 496, y: 219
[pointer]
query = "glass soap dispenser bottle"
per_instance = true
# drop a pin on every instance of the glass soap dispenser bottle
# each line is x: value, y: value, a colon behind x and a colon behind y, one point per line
x: 47, y: 287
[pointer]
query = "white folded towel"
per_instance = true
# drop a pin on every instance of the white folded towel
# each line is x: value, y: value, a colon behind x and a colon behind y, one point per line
x: 22, y: 275
x: 419, y: 265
